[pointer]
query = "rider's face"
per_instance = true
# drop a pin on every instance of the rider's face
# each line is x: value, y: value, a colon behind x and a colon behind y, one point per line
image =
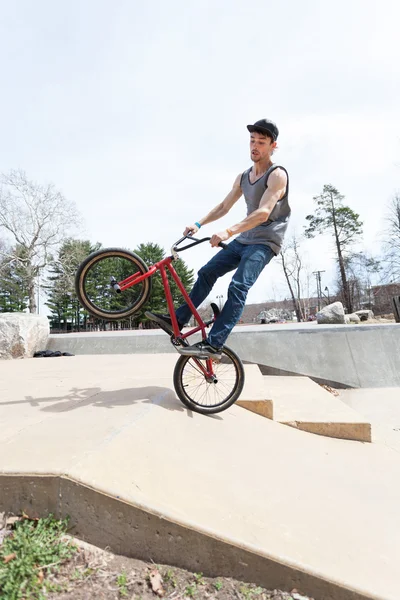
x: 261, y: 147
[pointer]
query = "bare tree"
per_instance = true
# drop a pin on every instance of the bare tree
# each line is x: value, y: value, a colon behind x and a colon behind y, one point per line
x: 292, y: 265
x: 38, y: 218
x: 362, y: 269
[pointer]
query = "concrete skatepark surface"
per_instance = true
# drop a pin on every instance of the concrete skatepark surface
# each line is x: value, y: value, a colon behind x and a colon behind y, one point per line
x: 381, y: 407
x: 105, y: 440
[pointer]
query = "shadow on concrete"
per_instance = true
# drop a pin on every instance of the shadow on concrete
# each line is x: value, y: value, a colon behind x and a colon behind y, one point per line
x: 79, y: 398
x: 95, y: 396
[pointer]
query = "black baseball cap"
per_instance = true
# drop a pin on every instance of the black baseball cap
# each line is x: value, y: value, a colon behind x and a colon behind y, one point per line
x: 265, y: 126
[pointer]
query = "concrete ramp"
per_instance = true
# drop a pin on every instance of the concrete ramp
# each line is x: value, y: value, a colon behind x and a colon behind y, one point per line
x: 105, y: 440
x: 382, y: 408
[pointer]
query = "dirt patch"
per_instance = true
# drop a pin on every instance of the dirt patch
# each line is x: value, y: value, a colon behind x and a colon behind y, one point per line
x: 95, y: 573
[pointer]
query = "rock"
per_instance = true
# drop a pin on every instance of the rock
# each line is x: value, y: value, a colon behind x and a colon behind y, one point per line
x: 22, y: 334
x: 365, y: 314
x: 352, y: 318
x: 331, y: 314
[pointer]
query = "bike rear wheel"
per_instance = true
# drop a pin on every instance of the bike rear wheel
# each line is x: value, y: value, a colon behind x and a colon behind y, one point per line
x: 209, y: 395
x: 97, y: 284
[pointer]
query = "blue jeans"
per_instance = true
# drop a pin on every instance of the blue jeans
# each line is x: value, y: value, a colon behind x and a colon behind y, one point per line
x: 249, y: 260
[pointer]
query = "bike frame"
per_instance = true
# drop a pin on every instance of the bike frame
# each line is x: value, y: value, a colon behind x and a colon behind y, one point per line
x: 162, y: 266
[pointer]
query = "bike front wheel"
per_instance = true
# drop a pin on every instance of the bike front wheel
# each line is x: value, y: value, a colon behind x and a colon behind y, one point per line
x: 98, y: 284
x: 204, y: 394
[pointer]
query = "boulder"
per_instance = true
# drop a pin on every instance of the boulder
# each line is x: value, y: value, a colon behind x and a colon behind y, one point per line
x: 22, y: 334
x: 365, y: 314
x: 352, y: 318
x: 331, y: 314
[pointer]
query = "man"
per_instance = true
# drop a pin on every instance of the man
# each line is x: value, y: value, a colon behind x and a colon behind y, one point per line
x: 265, y: 187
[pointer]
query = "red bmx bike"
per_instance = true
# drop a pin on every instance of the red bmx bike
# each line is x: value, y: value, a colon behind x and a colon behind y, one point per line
x: 114, y: 283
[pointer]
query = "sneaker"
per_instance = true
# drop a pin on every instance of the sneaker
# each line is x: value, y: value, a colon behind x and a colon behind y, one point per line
x: 164, y: 322
x: 202, y: 350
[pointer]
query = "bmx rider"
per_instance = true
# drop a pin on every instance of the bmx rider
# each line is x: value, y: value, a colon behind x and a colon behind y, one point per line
x: 265, y: 187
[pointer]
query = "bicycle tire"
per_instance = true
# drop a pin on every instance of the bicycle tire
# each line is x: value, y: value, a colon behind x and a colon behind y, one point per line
x: 142, y: 289
x: 182, y: 389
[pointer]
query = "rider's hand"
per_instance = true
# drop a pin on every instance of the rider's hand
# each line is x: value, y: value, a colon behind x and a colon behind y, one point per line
x: 222, y: 236
x: 191, y: 230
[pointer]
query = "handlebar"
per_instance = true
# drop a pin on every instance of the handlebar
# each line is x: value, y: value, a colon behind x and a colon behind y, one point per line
x: 175, y: 250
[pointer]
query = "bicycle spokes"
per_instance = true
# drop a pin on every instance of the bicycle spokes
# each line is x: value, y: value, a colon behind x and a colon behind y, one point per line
x: 208, y: 386
x: 209, y: 389
x: 112, y: 284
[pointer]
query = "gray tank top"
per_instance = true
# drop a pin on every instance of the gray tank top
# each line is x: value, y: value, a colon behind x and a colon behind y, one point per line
x: 272, y: 231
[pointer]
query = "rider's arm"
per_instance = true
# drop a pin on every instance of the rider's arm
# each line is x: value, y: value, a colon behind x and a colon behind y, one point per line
x: 221, y: 209
x: 277, y: 182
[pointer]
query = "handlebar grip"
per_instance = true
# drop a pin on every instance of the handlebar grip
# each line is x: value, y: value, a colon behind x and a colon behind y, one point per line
x: 222, y: 245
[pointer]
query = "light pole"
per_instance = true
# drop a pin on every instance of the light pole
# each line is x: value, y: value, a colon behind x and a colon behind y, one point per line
x: 327, y: 291
x: 319, y: 291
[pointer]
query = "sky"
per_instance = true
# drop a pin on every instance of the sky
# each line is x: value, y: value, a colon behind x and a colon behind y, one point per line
x: 137, y: 112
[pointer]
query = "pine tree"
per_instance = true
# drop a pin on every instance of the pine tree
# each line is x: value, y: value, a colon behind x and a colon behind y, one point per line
x: 13, y: 287
x: 342, y: 223
x: 60, y: 285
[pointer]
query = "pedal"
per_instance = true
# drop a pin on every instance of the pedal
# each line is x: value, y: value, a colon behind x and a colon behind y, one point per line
x: 177, y: 342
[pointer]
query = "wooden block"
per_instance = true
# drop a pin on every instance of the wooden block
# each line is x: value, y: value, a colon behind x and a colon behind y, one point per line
x: 301, y: 403
x: 254, y: 396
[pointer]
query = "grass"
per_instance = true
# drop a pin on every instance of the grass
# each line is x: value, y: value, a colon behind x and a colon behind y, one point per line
x: 122, y: 580
x: 35, y: 560
x: 169, y: 577
x: 34, y: 549
x: 250, y: 593
x: 199, y: 578
x: 190, y: 590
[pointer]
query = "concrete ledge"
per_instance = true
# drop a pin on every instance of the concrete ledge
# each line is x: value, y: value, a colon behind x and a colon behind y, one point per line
x: 150, y: 341
x: 303, y: 404
x: 129, y: 530
x: 339, y: 355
